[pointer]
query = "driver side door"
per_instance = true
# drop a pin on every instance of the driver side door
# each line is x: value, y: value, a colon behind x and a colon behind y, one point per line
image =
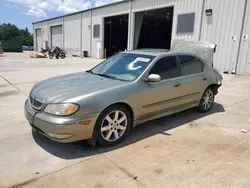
x: 159, y: 97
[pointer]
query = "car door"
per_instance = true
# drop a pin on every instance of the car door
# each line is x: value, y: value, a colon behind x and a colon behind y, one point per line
x: 160, y: 96
x: 193, y: 79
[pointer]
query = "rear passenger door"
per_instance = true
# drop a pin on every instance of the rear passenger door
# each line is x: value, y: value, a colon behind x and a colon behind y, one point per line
x: 193, y: 80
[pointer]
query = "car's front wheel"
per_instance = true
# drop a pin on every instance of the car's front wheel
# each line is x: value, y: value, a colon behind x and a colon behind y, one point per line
x: 207, y: 100
x: 113, y: 125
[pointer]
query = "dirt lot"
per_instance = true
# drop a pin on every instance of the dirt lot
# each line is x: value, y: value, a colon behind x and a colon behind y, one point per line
x: 188, y: 149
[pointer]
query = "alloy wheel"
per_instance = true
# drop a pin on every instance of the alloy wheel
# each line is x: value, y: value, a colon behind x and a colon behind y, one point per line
x: 114, y: 126
x: 208, y: 99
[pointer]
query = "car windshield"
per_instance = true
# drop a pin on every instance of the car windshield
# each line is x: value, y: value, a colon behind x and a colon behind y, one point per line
x: 123, y: 66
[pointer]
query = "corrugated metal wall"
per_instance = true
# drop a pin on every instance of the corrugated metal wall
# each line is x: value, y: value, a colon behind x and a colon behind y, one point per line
x: 51, y: 23
x: 35, y: 27
x: 86, y: 31
x: 243, y: 66
x: 180, y: 7
x: 45, y: 31
x: 98, y: 18
x: 188, y: 6
x: 224, y: 28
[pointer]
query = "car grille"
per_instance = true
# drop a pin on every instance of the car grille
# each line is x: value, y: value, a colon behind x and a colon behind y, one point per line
x: 35, y: 103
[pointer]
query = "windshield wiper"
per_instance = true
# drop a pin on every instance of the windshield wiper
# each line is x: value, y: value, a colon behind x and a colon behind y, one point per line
x: 104, y: 75
x: 89, y: 71
x: 108, y: 76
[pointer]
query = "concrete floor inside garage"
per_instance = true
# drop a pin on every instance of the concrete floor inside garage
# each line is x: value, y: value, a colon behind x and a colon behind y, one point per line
x: 187, y: 149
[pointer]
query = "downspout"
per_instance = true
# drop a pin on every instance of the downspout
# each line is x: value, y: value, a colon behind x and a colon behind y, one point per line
x: 41, y: 35
x: 81, y: 35
x: 241, y: 34
x: 202, y: 15
x: 90, y: 28
x: 63, y: 32
x: 48, y: 31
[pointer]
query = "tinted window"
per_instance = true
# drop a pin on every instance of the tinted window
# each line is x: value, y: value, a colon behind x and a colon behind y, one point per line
x: 166, y: 68
x: 190, y: 65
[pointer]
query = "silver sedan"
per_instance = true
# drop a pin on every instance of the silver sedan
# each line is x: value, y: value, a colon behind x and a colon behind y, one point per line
x: 104, y: 103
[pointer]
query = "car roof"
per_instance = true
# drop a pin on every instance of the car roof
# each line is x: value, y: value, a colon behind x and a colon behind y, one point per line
x: 149, y: 51
x: 204, y: 50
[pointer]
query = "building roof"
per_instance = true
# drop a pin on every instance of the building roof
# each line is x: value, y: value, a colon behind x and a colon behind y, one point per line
x: 119, y: 2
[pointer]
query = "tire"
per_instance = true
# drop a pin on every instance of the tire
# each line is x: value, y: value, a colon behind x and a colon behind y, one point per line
x: 108, y: 132
x: 62, y: 55
x: 207, y: 100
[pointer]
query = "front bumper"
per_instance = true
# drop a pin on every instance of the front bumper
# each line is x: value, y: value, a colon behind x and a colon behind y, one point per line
x: 49, y: 125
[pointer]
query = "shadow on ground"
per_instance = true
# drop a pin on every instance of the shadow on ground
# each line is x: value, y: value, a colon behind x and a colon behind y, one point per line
x: 143, y: 131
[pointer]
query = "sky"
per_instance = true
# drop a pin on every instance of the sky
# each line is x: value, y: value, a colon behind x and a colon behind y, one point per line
x: 23, y: 12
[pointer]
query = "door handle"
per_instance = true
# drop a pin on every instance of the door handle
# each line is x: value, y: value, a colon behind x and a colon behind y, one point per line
x: 177, y: 85
x: 204, y: 79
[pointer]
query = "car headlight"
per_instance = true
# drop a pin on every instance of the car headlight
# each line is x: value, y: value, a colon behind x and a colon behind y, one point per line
x: 64, y: 109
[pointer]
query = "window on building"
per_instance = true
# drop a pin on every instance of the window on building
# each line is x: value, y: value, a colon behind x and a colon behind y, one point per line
x: 166, y: 67
x: 190, y: 65
x: 185, y: 23
x: 96, y: 31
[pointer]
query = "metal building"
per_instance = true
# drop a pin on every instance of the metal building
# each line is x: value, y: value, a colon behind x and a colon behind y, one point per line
x: 131, y: 24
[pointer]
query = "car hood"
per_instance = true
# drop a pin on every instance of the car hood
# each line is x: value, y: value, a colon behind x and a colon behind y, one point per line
x: 63, y: 88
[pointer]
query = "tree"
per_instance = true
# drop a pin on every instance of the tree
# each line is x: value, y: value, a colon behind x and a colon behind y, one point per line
x: 10, y: 31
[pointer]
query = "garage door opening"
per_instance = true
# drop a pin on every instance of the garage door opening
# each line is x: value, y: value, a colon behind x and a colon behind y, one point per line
x: 153, y: 29
x: 115, y: 34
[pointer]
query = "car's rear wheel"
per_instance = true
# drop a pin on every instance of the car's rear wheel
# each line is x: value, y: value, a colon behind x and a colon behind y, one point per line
x: 207, y: 100
x: 113, y: 125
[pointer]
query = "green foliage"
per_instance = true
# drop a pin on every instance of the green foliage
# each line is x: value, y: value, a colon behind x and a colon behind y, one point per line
x: 10, y: 31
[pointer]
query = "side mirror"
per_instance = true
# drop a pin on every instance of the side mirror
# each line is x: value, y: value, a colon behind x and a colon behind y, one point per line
x: 153, y: 78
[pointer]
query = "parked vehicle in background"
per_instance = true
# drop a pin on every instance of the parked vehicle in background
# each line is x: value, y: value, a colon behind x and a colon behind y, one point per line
x: 28, y: 48
x: 127, y: 89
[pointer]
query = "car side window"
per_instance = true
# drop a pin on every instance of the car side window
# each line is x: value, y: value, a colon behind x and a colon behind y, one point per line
x: 190, y: 65
x: 166, y: 67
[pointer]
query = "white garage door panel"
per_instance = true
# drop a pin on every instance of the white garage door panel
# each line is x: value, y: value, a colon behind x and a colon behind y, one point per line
x: 39, y: 43
x: 56, y: 36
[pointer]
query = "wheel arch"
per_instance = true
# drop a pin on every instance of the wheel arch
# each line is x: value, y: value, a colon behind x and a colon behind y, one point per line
x: 214, y: 88
x: 125, y: 105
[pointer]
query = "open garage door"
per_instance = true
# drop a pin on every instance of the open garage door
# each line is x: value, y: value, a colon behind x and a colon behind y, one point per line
x: 153, y: 29
x: 115, y: 34
x: 39, y: 43
x: 56, y: 36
